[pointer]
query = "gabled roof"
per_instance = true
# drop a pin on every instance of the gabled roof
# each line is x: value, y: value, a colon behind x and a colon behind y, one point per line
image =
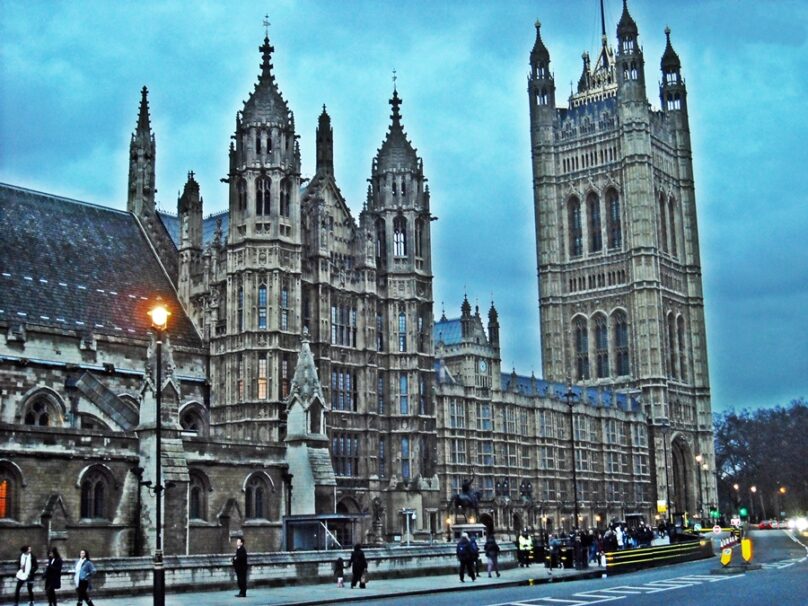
x: 80, y: 267
x: 450, y: 332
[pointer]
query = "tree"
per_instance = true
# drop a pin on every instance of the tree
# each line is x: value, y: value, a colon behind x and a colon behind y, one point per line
x: 767, y: 449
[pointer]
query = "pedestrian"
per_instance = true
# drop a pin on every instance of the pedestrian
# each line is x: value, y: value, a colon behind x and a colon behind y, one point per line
x: 84, y: 570
x: 240, y: 565
x: 492, y: 553
x: 26, y: 567
x: 466, y: 557
x: 359, y: 566
x: 339, y: 572
x: 524, y: 549
x: 53, y: 575
x: 475, y: 555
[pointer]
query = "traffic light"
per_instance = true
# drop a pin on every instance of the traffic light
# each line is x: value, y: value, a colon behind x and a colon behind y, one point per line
x: 714, y: 513
x: 743, y: 512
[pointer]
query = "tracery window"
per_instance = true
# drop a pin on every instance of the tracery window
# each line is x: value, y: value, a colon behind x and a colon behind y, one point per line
x: 405, y: 458
x: 256, y: 496
x: 680, y: 342
x: 262, y: 376
x: 400, y: 237
x: 95, y: 492
x: 620, y: 325
x: 283, y: 308
x: 615, y: 227
x: 663, y: 224
x: 197, y: 496
x: 672, y: 215
x: 403, y: 394
x: 595, y: 235
x: 241, y: 194
x: 9, y: 487
x: 343, y: 389
x: 671, y: 347
x: 402, y: 332
x: 38, y: 413
x: 575, y: 229
x: 262, y: 306
x: 263, y: 186
x: 601, y: 347
x: 581, y: 334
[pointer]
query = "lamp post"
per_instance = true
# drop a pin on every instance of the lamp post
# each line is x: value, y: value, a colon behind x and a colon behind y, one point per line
x: 737, y: 488
x: 752, y: 491
x: 665, y: 425
x: 159, y: 317
x: 700, y: 461
x: 569, y: 397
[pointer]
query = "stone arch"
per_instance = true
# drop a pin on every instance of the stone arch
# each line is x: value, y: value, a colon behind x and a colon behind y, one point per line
x: 683, y: 492
x: 194, y: 417
x: 42, y: 406
x: 98, y: 485
x: 488, y: 522
x: 348, y: 505
x: 12, y: 482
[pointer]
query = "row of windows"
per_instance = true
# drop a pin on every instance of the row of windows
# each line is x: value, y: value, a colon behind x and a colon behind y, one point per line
x: 676, y: 347
x: 593, y: 157
x: 613, y: 224
x: 263, y: 196
x: 261, y: 308
x: 610, y: 343
x: 260, y: 376
x: 597, y: 280
x: 668, y: 233
x: 401, y: 239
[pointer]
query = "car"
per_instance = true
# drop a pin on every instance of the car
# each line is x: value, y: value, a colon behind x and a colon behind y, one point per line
x: 765, y: 525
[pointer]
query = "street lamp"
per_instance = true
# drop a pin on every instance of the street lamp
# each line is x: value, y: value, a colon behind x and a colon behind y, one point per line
x: 159, y: 317
x: 700, y: 461
x: 570, y: 395
x: 665, y: 426
x: 753, y: 490
x: 737, y: 488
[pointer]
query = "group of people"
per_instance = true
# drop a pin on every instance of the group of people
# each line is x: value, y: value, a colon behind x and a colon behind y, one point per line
x: 359, y: 569
x: 28, y: 567
x: 468, y: 554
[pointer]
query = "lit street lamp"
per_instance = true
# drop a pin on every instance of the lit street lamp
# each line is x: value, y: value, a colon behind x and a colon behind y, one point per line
x: 700, y: 461
x: 569, y: 396
x: 159, y: 317
x: 665, y: 425
x: 752, y: 490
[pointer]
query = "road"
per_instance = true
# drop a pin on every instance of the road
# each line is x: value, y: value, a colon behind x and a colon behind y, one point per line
x: 783, y: 581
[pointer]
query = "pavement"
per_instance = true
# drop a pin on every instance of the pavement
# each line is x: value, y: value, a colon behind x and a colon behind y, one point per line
x: 329, y: 593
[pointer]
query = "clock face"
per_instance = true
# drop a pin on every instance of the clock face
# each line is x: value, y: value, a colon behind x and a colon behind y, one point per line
x: 483, y: 366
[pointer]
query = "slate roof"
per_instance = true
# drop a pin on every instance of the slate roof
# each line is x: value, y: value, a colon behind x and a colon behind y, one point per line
x: 80, y: 267
x: 592, y: 396
x: 172, y: 225
x: 448, y: 331
x: 321, y: 468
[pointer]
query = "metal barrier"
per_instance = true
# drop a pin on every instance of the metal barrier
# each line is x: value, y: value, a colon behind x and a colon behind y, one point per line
x: 648, y: 557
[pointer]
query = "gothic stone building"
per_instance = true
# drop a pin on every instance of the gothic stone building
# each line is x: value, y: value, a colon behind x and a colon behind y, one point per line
x: 620, y: 290
x: 304, y: 374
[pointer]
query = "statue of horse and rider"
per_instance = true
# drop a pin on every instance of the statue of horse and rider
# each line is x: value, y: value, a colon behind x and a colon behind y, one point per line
x: 467, y: 499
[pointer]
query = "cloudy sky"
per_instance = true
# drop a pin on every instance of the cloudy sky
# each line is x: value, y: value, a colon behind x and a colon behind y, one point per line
x: 71, y: 72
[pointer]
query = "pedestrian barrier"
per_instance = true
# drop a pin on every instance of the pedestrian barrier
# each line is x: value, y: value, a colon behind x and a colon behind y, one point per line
x: 648, y: 557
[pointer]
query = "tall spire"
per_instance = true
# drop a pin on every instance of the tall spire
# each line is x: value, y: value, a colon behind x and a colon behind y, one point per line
x: 325, y: 144
x: 143, y: 118
x: 266, y: 104
x: 396, y: 151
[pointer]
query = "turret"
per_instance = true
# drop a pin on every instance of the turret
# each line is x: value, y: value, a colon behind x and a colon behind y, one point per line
x: 540, y: 82
x: 465, y: 318
x: 630, y: 62
x: 325, y: 144
x: 142, y: 155
x: 672, y: 91
x: 493, y: 327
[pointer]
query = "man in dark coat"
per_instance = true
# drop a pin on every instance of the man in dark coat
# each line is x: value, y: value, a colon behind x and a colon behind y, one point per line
x: 466, y: 557
x: 240, y: 565
x: 359, y: 565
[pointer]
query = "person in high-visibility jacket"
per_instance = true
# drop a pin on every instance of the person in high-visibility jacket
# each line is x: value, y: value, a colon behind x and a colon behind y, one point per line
x: 525, y: 546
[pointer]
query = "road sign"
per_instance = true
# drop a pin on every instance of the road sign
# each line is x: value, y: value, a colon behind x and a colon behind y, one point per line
x: 717, y: 529
x: 735, y: 521
x: 697, y: 527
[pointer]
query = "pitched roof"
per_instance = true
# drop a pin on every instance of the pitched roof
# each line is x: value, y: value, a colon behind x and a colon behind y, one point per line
x: 450, y: 332
x: 602, y: 396
x: 172, y: 225
x: 76, y: 266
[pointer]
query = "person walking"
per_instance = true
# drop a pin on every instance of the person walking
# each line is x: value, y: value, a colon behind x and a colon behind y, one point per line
x: 26, y: 567
x: 492, y: 553
x: 240, y: 565
x: 339, y: 571
x: 466, y: 557
x: 359, y: 566
x: 53, y: 575
x: 83, y: 572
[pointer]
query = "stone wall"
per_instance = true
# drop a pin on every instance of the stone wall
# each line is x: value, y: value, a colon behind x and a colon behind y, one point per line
x: 128, y: 576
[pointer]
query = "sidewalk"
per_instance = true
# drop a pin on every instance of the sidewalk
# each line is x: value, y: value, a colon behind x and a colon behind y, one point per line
x: 328, y: 593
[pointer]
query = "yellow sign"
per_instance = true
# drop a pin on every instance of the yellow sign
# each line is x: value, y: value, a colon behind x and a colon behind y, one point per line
x: 661, y: 506
x: 726, y: 556
x: 746, y: 550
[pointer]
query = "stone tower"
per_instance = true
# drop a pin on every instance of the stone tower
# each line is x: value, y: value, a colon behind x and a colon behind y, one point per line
x: 620, y: 291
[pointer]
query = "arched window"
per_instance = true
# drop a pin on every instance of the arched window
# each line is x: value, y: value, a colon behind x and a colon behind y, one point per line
x: 262, y: 306
x: 419, y: 238
x: 10, y: 482
x: 381, y: 243
x: 198, y: 488
x: 671, y: 347
x: 402, y: 332
x: 581, y: 348
x: 192, y: 419
x: 680, y: 345
x: 620, y: 336
x: 263, y: 186
x: 601, y: 347
x: 404, y: 397
x: 38, y: 413
x: 240, y: 308
x: 283, y: 308
x: 258, y: 142
x: 615, y: 227
x: 672, y: 224
x: 241, y: 192
x: 663, y: 224
x: 285, y: 193
x: 95, y: 494
x: 405, y: 458
x: 575, y: 230
x: 256, y: 495
x: 595, y: 235
x: 400, y: 237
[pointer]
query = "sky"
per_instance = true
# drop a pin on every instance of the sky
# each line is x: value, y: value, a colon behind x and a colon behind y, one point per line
x: 71, y: 73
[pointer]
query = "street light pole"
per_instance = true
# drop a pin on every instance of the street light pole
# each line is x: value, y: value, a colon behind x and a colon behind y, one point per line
x: 159, y: 316
x: 569, y: 396
x: 752, y: 491
x: 699, y: 460
x: 665, y: 424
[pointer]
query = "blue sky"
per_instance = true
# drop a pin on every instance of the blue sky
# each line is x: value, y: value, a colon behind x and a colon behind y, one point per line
x: 71, y: 72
